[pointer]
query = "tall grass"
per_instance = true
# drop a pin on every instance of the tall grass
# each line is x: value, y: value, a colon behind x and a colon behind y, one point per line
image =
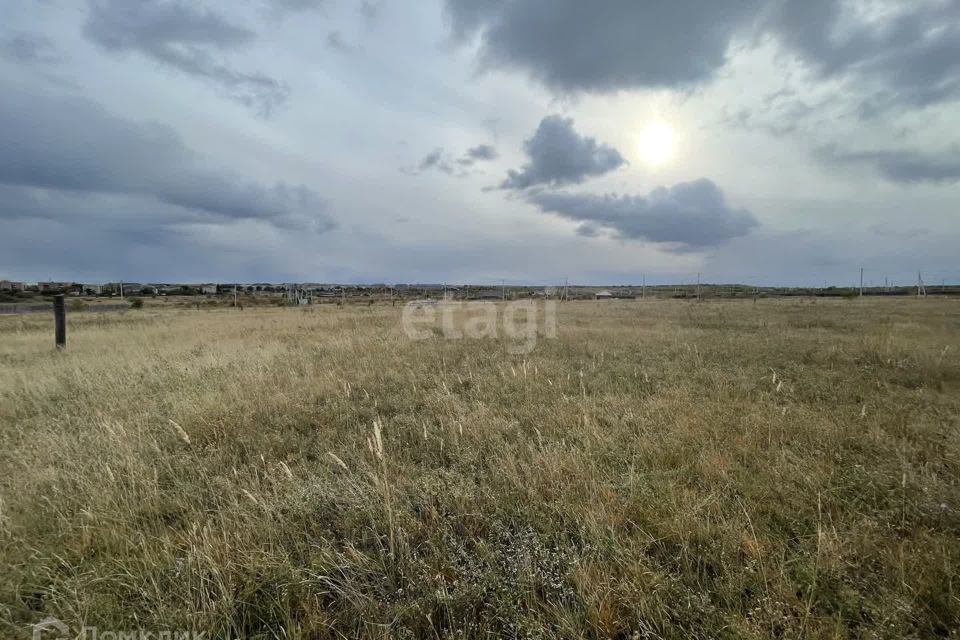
x: 662, y: 469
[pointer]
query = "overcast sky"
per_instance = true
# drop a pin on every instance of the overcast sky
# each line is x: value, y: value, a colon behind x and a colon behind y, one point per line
x: 757, y: 141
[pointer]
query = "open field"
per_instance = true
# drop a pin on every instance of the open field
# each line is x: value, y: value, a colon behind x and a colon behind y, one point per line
x: 785, y: 468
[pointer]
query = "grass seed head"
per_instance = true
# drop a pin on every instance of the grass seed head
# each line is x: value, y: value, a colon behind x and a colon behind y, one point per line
x: 179, y: 431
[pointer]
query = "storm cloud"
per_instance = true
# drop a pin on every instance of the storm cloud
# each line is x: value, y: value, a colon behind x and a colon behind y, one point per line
x: 907, y: 55
x: 188, y: 39
x: 573, y: 46
x: 900, y: 53
x: 688, y: 216
x: 43, y: 146
x: 561, y: 156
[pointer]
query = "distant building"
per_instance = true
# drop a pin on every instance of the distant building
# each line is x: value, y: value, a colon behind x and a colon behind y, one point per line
x: 209, y: 289
x: 489, y: 294
x: 603, y: 295
x: 54, y: 287
x: 10, y: 285
x: 171, y: 289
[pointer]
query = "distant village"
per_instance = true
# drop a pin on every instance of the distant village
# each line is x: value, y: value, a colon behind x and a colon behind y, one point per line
x: 300, y: 292
x: 313, y: 293
x: 12, y: 291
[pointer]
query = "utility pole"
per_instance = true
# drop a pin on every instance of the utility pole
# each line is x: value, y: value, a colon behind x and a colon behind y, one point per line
x: 121, y: 291
x: 921, y: 290
x: 503, y: 289
x: 861, y: 282
x: 234, y: 296
x: 644, y: 294
x: 566, y: 285
x: 698, y: 286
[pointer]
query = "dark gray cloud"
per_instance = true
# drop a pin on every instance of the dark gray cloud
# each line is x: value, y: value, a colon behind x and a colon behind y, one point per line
x: 479, y: 153
x: 482, y: 152
x: 687, y: 216
x: 370, y: 11
x: 186, y: 38
x: 116, y: 211
x: 336, y: 42
x: 559, y: 156
x: 444, y: 162
x: 293, y: 6
x: 117, y: 237
x: 911, y: 56
x: 572, y: 46
x: 73, y: 145
x: 436, y: 160
x: 26, y: 47
x: 781, y: 115
x: 902, y: 166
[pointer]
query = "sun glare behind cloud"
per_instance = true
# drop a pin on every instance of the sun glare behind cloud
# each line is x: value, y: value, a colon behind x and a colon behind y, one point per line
x: 657, y: 144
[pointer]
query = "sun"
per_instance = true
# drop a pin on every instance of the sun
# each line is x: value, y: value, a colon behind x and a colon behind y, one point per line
x: 657, y: 144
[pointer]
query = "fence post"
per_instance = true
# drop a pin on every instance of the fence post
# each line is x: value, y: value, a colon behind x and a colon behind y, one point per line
x: 60, y: 321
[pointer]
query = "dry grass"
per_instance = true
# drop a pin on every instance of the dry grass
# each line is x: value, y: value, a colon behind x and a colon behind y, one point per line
x: 662, y: 469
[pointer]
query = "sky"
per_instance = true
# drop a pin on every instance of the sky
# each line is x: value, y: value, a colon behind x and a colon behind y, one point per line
x: 767, y: 142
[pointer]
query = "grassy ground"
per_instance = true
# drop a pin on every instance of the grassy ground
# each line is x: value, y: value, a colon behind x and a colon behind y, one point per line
x: 661, y: 469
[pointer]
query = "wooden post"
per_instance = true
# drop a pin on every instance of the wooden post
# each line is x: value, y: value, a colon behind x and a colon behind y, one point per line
x: 861, y: 282
x: 60, y: 321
